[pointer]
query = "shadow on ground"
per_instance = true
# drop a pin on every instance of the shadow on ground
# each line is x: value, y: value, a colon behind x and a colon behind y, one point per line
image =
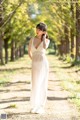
x: 13, y: 69
x: 15, y: 99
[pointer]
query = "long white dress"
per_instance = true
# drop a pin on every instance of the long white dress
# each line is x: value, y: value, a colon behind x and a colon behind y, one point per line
x: 40, y: 71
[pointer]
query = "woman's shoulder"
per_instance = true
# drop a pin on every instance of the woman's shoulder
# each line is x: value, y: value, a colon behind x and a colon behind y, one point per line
x: 32, y: 38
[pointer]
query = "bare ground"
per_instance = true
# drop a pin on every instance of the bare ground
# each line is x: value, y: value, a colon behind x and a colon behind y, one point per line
x: 15, y: 99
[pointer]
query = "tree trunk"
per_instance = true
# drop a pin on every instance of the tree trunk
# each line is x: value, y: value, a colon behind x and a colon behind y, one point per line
x: 66, y: 41
x: 21, y: 51
x: 12, y: 50
x: 24, y: 49
x: 16, y: 51
x: 1, y: 34
x: 72, y: 30
x: 6, y: 50
x: 1, y: 50
x: 61, y: 48
x: 77, y: 31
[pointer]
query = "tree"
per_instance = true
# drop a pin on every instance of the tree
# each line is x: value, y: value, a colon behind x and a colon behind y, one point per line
x: 72, y: 29
x: 77, y: 30
x: 1, y: 33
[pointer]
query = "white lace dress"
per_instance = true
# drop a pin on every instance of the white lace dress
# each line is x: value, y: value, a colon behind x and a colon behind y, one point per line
x: 40, y: 71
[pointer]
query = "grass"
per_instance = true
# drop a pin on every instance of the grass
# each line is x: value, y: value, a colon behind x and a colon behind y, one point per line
x: 70, y: 81
x: 12, y: 106
x: 3, y: 81
x: 8, y: 71
x: 74, y: 90
x: 5, y: 77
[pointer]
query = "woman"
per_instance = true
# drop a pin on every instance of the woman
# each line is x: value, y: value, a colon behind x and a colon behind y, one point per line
x: 40, y: 68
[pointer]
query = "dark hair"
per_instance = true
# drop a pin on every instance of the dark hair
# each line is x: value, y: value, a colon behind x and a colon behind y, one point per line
x: 42, y: 26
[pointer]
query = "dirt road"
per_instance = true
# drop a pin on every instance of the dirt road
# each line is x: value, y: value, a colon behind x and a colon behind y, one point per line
x: 15, y: 99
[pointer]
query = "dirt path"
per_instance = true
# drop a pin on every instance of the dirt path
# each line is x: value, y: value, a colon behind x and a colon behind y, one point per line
x: 15, y: 100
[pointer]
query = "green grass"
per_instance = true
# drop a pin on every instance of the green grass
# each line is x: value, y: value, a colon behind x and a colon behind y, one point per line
x: 8, y: 71
x: 12, y: 106
x: 3, y: 81
x: 74, y: 90
x: 70, y: 81
x: 5, y: 77
x: 50, y: 51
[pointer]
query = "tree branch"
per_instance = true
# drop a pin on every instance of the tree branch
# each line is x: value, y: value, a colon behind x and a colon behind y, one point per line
x: 2, y: 1
x: 11, y: 15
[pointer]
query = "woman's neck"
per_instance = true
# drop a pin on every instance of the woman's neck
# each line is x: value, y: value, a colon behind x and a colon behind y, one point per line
x: 38, y: 37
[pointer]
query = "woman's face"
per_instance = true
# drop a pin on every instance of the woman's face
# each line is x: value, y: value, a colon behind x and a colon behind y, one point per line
x: 39, y: 32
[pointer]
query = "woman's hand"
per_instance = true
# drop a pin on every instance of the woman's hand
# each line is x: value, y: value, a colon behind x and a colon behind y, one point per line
x: 44, y: 41
x: 44, y: 36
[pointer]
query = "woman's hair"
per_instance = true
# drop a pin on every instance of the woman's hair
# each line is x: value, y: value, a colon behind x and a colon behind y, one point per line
x: 43, y: 27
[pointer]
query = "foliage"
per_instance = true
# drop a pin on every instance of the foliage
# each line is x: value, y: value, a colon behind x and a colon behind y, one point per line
x: 21, y: 16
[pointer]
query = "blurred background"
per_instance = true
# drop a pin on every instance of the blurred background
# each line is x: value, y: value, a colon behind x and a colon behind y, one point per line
x: 18, y: 19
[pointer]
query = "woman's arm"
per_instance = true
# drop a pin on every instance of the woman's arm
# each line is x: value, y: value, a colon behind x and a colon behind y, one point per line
x: 45, y: 42
x: 29, y: 49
